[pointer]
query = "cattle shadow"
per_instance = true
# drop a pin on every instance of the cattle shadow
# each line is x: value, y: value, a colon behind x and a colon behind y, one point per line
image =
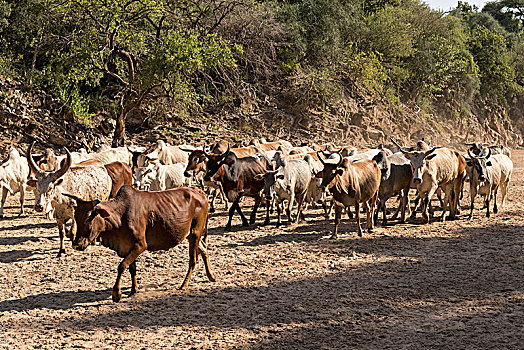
x: 428, y: 292
x: 15, y: 256
x: 420, y: 297
x: 17, y: 240
x: 56, y: 301
x: 41, y: 225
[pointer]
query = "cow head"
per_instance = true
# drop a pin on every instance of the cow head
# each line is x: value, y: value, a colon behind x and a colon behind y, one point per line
x: 271, y: 179
x: 475, y: 147
x: 90, y: 220
x: 46, y: 181
x: 197, y: 162
x: 333, y: 167
x: 144, y: 177
x: 418, y: 161
x: 479, y: 164
x: 215, y: 161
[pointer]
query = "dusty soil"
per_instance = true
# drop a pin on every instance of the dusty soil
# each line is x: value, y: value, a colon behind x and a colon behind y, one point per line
x: 445, y: 285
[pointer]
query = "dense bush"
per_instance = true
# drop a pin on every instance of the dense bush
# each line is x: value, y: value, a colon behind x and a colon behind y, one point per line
x: 194, y: 55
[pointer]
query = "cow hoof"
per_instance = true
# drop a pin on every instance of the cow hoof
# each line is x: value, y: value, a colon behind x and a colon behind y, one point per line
x: 265, y: 223
x: 495, y: 210
x: 333, y: 237
x: 246, y: 224
x: 60, y: 252
x: 227, y: 228
x: 212, y: 210
x: 133, y: 292
x: 117, y: 295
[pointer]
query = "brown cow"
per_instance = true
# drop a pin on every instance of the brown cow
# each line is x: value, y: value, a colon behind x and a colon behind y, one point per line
x: 136, y: 221
x: 351, y: 184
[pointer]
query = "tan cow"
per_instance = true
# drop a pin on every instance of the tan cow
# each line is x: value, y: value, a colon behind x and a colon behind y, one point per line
x: 437, y: 168
x: 351, y: 184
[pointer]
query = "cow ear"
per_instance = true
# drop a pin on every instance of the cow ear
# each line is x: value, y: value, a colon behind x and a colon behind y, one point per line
x: 31, y: 182
x: 470, y: 163
x: 339, y: 171
x: 259, y: 177
x: 280, y: 176
x: 488, y: 163
x: 320, y: 174
x: 59, y: 182
x: 228, y: 161
x: 431, y: 156
x: 101, y: 210
x: 345, y: 163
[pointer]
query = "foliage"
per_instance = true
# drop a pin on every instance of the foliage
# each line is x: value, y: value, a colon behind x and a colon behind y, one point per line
x: 176, y: 57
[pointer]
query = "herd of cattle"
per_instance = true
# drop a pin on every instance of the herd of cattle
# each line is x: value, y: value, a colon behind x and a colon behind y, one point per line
x: 133, y: 199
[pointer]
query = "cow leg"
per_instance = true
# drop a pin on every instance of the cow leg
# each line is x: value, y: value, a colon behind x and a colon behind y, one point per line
x: 404, y: 205
x: 22, y: 197
x: 132, y: 272
x: 61, y: 227
x: 488, y: 198
x: 338, y: 214
x: 253, y: 216
x: 472, y: 195
x: 495, y: 209
x: 128, y: 260
x: 415, y: 206
x: 300, y: 201
x: 447, y: 202
x: 268, y: 207
x: 279, y: 211
x: 231, y: 212
x: 213, y: 197
x: 202, y: 250
x: 357, y: 218
x: 504, y: 190
x: 239, y: 211
x: 193, y: 244
x: 369, y: 216
x: 4, y: 197
x: 290, y: 206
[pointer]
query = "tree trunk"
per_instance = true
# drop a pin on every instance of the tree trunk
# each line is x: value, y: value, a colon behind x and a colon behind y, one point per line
x: 119, y: 137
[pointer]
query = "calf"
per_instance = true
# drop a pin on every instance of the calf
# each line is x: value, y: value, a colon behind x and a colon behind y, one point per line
x: 238, y: 180
x: 488, y: 174
x: 290, y: 181
x: 13, y: 176
x: 351, y: 184
x: 136, y: 221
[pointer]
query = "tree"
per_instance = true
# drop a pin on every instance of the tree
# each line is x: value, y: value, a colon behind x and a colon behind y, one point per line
x: 135, y: 51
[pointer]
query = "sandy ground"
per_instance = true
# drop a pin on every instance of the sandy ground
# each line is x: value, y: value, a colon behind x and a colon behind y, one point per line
x: 446, y: 285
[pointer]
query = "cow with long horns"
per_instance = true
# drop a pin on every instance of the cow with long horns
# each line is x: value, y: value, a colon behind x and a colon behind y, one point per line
x: 351, y: 184
x: 89, y: 182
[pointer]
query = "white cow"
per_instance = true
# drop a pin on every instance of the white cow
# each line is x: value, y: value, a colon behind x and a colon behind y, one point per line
x: 13, y: 177
x: 160, y: 177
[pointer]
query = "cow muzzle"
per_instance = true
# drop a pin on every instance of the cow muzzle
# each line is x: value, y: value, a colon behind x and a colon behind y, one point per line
x: 417, y: 181
x: 39, y: 208
x: 482, y: 178
x: 207, y: 178
x: 187, y: 174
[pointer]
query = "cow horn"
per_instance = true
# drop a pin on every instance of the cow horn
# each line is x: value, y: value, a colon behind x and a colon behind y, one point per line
x: 73, y: 197
x: 395, y: 143
x: 228, y: 150
x: 431, y: 150
x: 204, y: 152
x: 341, y: 159
x: 61, y: 172
x: 469, y: 144
x: 489, y: 153
x: 320, y: 157
x: 31, y: 161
